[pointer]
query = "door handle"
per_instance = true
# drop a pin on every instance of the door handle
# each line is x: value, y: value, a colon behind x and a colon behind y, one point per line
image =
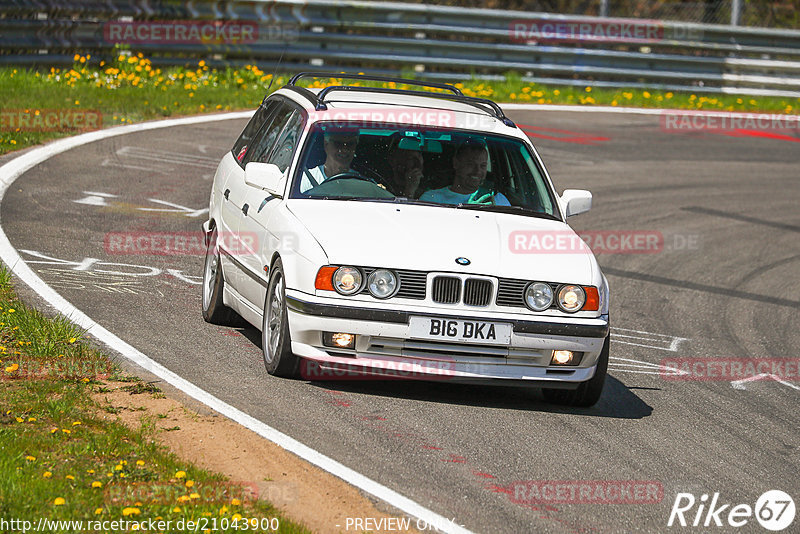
x: 226, y: 193
x: 245, y: 208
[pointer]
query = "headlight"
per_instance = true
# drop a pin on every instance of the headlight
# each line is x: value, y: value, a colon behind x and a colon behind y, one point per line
x: 347, y: 280
x: 571, y: 298
x: 382, y: 284
x: 538, y: 296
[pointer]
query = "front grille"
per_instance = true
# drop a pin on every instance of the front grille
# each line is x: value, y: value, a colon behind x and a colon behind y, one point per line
x: 446, y: 289
x: 456, y: 352
x: 412, y: 283
x: 477, y: 292
x: 511, y: 292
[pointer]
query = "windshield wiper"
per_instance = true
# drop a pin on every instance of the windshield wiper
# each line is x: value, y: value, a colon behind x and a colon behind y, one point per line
x: 508, y: 209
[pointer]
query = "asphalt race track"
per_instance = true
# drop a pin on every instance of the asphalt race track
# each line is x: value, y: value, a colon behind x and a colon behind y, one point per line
x: 724, y: 285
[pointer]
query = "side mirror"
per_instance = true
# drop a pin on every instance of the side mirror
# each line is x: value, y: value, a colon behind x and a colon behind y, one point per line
x: 576, y: 201
x: 266, y: 176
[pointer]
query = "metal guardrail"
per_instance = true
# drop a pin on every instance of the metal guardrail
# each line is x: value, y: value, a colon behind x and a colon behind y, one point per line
x: 436, y: 42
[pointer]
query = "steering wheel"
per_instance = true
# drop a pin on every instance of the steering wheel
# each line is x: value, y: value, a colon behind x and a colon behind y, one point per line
x: 349, y: 174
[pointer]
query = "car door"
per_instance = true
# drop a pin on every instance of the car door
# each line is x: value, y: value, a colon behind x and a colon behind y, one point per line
x: 233, y: 192
x: 277, y: 146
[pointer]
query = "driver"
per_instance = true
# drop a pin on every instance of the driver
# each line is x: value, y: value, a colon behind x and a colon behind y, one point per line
x: 340, y: 147
x: 470, y: 163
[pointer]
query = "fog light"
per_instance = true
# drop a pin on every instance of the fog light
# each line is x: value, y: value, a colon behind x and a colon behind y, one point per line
x: 562, y: 357
x: 339, y: 340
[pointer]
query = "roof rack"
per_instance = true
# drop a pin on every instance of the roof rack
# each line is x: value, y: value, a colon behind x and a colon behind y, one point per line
x: 433, y: 85
x: 485, y: 105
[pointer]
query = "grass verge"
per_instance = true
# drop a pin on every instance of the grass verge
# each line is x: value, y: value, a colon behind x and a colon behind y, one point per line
x: 130, y: 89
x: 62, y: 461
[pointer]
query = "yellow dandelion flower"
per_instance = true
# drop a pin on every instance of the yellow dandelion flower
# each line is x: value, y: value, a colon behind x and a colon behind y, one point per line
x: 223, y: 510
x: 130, y: 511
x: 236, y: 502
x: 66, y: 431
x: 11, y: 368
x: 97, y: 484
x: 70, y: 477
x: 47, y: 474
x: 588, y: 89
x: 189, y: 483
x: 72, y: 339
x: 59, y: 501
x: 30, y: 458
x: 180, y: 474
x: 236, y: 517
x: 646, y: 94
x: 176, y: 510
x: 139, y: 462
x: 98, y: 511
x: 194, y: 495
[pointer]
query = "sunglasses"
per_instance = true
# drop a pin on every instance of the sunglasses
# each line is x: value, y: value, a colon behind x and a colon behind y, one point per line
x: 344, y: 144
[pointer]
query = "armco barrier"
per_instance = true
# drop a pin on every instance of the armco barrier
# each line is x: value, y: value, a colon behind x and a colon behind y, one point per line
x: 435, y: 41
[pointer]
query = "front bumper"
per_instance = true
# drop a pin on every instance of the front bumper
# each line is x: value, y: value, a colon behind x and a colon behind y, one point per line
x: 384, y: 348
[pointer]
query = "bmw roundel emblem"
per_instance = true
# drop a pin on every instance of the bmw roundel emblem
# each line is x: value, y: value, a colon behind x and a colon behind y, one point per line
x: 463, y: 261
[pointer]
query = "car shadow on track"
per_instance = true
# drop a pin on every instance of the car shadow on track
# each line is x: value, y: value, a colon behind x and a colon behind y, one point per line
x: 617, y: 400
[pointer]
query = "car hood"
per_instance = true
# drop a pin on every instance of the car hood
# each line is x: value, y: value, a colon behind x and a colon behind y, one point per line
x: 430, y: 238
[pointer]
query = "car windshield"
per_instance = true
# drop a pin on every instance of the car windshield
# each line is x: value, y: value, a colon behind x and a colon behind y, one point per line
x: 422, y: 165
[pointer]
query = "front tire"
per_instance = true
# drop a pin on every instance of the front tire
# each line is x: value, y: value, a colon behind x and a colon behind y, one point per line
x: 588, y: 393
x: 275, y: 338
x: 214, y: 310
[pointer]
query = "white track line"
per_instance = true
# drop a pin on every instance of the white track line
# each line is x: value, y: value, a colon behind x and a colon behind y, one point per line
x: 16, y: 167
x: 647, y: 111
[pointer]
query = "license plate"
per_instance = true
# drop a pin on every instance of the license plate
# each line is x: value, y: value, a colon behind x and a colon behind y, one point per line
x: 460, y: 330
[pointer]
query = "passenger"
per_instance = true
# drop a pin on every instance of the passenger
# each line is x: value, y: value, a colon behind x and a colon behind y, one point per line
x: 406, y: 168
x: 470, y: 163
x: 340, y: 147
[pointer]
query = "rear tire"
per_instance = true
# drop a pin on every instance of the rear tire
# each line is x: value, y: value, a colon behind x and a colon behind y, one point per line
x: 275, y: 338
x: 214, y: 310
x: 588, y: 393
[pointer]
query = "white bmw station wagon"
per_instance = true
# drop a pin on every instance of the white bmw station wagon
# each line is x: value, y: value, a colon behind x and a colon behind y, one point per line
x: 404, y: 231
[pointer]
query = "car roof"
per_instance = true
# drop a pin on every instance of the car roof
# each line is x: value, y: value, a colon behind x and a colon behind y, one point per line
x: 395, y: 108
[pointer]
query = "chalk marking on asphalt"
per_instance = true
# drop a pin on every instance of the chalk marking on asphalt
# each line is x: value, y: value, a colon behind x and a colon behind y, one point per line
x: 19, y: 165
x: 651, y: 368
x: 741, y: 384
x: 673, y: 342
x: 162, y: 156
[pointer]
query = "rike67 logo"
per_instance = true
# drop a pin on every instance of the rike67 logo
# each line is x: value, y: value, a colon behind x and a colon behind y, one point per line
x: 774, y: 510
